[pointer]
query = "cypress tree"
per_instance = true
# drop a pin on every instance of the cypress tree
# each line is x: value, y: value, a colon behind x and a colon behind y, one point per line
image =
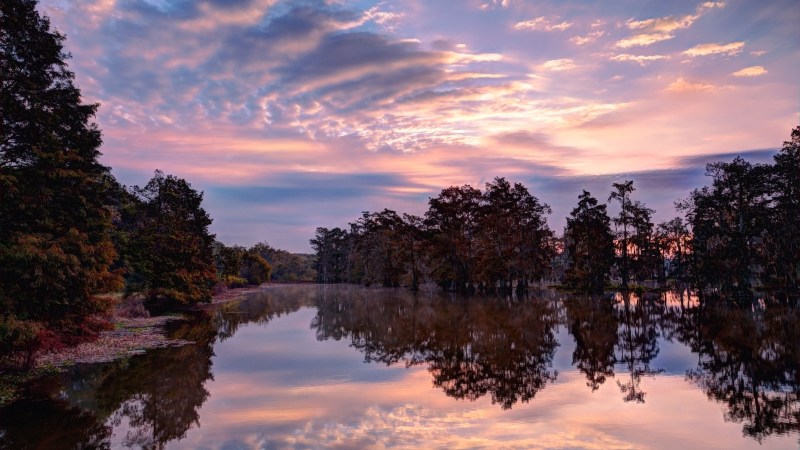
x: 55, y: 245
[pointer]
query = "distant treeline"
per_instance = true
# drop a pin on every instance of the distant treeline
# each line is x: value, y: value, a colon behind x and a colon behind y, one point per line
x: 69, y: 231
x: 739, y: 233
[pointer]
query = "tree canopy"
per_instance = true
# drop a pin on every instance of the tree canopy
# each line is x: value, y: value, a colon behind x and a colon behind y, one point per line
x: 170, y: 248
x: 55, y: 227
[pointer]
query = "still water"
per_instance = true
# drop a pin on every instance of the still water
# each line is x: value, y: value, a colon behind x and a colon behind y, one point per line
x: 296, y: 367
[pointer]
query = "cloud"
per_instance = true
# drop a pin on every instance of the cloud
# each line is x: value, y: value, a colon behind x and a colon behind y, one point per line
x: 671, y: 23
x: 542, y: 23
x: 762, y: 156
x: 752, y: 71
x: 496, y: 4
x: 682, y: 85
x: 310, y: 187
x: 387, y: 19
x: 650, y: 31
x: 733, y: 48
x: 558, y: 65
x: 587, y: 38
x: 643, y: 40
x: 642, y: 60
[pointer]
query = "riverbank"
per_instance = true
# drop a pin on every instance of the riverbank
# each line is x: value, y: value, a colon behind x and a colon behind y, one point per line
x: 134, y: 332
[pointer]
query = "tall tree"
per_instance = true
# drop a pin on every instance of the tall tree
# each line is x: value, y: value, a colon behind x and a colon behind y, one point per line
x: 55, y: 244
x: 785, y: 267
x: 645, y: 262
x: 332, y: 255
x: 589, y: 245
x: 622, y: 194
x: 453, y: 219
x: 377, y: 245
x: 729, y: 220
x: 674, y: 239
x: 514, y: 239
x: 171, y: 248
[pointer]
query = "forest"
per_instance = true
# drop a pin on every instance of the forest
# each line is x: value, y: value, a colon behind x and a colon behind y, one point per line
x: 734, y: 236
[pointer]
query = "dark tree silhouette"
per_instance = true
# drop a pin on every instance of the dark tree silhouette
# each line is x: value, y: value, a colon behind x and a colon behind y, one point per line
x: 453, y: 219
x: 622, y: 194
x: 728, y: 221
x: 513, y: 237
x: 589, y: 245
x: 55, y: 229
x: 170, y: 248
x: 783, y: 269
x: 333, y: 261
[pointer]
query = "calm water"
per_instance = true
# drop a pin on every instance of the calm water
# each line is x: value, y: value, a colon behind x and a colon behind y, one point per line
x: 347, y: 367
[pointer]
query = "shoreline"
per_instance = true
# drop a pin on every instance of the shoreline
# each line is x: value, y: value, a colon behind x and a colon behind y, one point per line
x: 132, y: 336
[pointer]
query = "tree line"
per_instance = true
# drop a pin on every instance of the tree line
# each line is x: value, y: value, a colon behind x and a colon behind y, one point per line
x: 69, y: 231
x: 737, y: 234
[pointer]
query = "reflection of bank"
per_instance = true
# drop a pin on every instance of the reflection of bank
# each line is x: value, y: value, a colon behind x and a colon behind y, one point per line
x: 147, y: 400
x: 154, y: 398
x: 472, y: 346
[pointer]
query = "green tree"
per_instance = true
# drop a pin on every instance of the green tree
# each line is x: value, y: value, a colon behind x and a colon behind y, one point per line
x: 377, y: 245
x: 55, y: 228
x: 589, y: 245
x: 228, y: 260
x: 171, y: 248
x: 255, y: 269
x: 286, y: 267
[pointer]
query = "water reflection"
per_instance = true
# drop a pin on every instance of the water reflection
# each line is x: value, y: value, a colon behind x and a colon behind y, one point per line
x: 593, y: 324
x: 748, y: 361
x: 745, y: 358
x: 471, y: 346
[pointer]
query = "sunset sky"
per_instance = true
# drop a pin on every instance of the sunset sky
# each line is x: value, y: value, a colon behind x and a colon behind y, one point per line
x: 293, y: 115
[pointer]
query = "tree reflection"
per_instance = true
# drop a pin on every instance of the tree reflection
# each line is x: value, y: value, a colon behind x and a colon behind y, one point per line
x: 637, y: 340
x: 472, y: 347
x: 261, y: 307
x: 593, y: 324
x: 159, y: 396
x: 748, y: 360
x: 50, y: 424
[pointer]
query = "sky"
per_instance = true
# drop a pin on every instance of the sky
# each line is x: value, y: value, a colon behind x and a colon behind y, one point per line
x: 292, y: 115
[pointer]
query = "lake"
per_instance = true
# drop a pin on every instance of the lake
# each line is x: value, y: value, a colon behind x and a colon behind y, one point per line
x: 307, y: 366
